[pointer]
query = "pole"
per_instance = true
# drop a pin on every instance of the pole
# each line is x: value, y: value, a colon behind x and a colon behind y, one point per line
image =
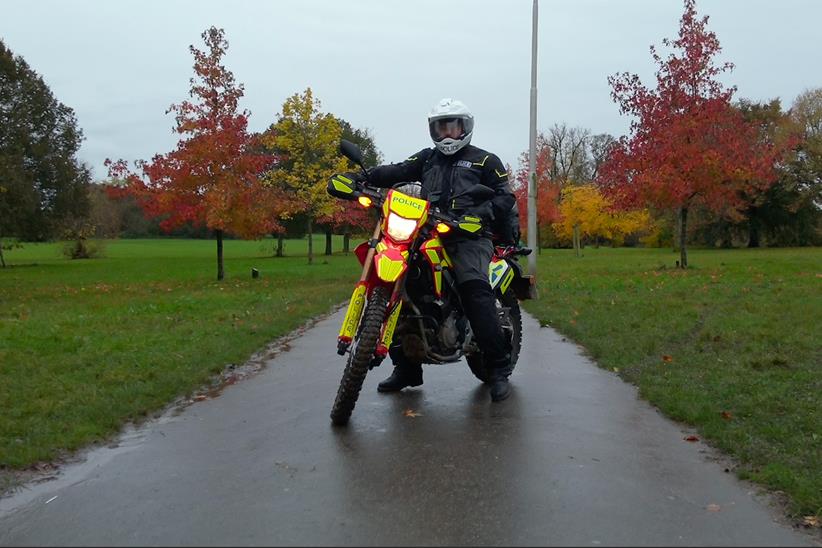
x: 532, y: 155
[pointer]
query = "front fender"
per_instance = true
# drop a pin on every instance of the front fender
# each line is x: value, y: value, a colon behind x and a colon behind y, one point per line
x: 390, y: 263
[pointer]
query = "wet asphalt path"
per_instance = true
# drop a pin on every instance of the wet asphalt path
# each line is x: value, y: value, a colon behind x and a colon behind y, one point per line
x: 571, y: 458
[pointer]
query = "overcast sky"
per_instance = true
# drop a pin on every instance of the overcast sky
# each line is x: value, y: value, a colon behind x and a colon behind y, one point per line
x: 382, y: 64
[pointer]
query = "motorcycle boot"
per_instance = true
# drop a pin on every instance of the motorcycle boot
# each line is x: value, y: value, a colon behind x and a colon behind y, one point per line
x: 403, y: 375
x: 406, y: 373
x: 500, y: 387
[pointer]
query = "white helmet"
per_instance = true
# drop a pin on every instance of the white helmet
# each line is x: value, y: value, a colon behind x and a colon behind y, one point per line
x: 451, y: 125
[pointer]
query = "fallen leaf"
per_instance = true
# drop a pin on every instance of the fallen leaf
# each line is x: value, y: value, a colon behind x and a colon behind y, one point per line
x: 691, y: 438
x: 411, y: 413
x: 667, y: 359
x: 712, y: 508
x: 811, y: 521
x: 200, y: 397
x: 727, y: 415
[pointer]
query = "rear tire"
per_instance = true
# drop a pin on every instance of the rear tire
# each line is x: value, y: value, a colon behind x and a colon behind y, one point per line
x: 512, y: 326
x: 360, y: 357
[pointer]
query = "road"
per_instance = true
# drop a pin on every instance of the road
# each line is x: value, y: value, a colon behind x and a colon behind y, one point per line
x: 573, y: 457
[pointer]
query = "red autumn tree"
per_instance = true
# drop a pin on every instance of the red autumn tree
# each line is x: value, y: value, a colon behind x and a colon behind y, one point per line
x: 350, y: 217
x: 212, y: 177
x: 688, y: 146
x: 548, y: 190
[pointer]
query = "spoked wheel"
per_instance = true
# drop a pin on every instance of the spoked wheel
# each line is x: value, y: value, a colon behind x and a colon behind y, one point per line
x: 360, y: 356
x: 510, y: 318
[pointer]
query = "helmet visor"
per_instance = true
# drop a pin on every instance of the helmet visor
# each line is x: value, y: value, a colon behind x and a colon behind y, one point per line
x: 442, y: 128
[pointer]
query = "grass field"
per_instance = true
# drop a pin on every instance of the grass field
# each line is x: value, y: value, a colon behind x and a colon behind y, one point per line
x: 87, y: 345
x: 732, y: 346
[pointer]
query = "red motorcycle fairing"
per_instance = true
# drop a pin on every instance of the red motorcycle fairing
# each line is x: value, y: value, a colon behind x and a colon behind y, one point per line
x: 390, y: 261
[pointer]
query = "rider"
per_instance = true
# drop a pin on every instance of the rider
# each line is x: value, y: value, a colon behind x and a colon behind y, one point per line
x: 447, y: 171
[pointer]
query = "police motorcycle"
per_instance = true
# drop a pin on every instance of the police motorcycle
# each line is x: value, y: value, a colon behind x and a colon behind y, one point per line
x: 407, y: 291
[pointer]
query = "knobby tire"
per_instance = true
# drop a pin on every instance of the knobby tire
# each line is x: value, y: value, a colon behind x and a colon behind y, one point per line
x: 362, y: 352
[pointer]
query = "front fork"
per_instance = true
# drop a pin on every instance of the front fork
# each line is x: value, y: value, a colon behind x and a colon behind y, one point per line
x: 354, y: 314
x: 388, y: 327
x: 355, y: 307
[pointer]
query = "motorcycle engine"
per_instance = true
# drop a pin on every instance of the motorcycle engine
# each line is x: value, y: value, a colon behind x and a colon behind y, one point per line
x: 453, y: 331
x: 448, y: 334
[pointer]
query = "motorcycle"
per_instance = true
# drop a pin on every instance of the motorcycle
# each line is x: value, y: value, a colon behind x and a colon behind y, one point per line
x: 407, y: 291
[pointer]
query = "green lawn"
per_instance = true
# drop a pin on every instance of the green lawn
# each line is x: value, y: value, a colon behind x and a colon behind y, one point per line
x: 732, y: 346
x: 87, y: 345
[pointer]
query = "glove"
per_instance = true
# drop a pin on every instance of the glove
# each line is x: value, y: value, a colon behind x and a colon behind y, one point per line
x: 343, y: 185
x: 472, y: 224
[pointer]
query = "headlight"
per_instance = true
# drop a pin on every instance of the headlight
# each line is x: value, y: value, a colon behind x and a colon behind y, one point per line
x: 400, y: 228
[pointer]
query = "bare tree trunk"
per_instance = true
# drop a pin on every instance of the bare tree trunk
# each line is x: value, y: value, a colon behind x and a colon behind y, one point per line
x: 753, y: 233
x: 683, y: 253
x: 576, y: 239
x: 220, y: 271
x: 677, y: 233
x: 280, y: 241
x: 310, y: 242
x: 328, y: 241
x: 346, y: 243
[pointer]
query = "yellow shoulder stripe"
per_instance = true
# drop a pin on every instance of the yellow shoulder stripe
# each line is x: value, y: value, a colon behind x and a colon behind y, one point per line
x: 501, y: 175
x: 482, y: 163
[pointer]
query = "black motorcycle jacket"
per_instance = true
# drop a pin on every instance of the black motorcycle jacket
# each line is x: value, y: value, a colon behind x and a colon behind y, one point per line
x: 445, y: 179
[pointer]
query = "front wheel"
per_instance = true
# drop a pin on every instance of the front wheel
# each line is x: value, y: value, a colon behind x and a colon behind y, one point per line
x: 510, y: 319
x: 362, y: 352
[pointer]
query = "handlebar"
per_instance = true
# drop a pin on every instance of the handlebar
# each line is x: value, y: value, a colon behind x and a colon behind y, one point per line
x: 434, y: 216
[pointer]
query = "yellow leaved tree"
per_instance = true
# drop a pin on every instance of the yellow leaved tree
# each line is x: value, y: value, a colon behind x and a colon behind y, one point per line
x: 306, y: 143
x: 586, y: 213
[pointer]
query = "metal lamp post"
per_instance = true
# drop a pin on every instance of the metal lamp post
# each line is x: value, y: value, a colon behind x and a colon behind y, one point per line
x: 532, y: 155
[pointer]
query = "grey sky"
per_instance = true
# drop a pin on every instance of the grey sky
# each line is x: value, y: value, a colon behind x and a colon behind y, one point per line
x: 381, y: 64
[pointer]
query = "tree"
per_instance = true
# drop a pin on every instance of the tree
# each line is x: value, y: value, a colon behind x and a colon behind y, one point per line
x: 547, y: 190
x: 306, y: 141
x: 42, y: 184
x: 212, y: 176
x: 105, y: 215
x: 804, y: 177
x: 569, y: 153
x: 688, y: 146
x: 351, y: 218
x: 765, y: 211
x: 600, y: 147
x: 586, y: 213
x: 363, y: 139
